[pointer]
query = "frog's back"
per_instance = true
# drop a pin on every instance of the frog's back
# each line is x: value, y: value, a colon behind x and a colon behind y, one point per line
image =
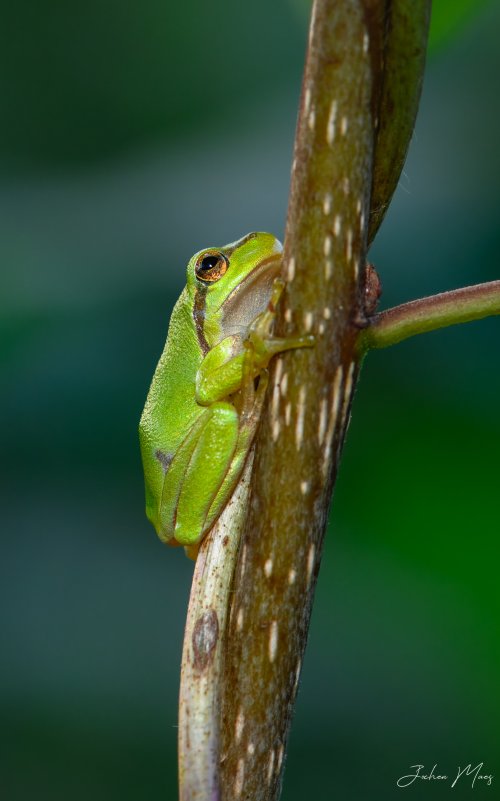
x: 171, y: 406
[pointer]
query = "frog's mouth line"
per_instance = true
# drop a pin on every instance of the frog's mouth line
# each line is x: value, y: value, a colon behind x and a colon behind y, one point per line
x: 251, y: 296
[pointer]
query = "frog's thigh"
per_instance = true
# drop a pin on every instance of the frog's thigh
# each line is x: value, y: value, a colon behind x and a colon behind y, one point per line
x: 247, y: 426
x: 205, y: 474
x: 174, y: 477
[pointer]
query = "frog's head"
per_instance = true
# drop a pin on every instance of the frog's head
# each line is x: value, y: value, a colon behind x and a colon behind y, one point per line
x: 231, y: 285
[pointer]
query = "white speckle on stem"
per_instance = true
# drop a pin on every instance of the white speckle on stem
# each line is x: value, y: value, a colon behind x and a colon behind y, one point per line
x: 366, y: 43
x: 327, y: 203
x: 299, y: 426
x: 347, y: 391
x: 334, y: 408
x: 328, y: 269
x: 297, y: 675
x: 239, y: 619
x: 304, y: 487
x: 288, y: 315
x: 280, y: 758
x: 327, y: 245
x: 268, y: 567
x: 307, y: 100
x: 327, y: 313
x: 322, y: 420
x: 240, y: 777
x: 273, y: 641
x: 337, y: 225
x: 310, y: 561
x: 344, y: 125
x: 330, y: 126
x: 308, y: 321
x: 250, y: 749
x: 239, y: 724
x: 311, y: 120
x: 284, y: 384
x: 279, y: 370
x: 276, y: 428
x: 292, y: 575
x: 291, y: 269
x: 346, y: 185
x: 270, y: 766
x: 348, y: 250
x: 243, y: 560
x: 288, y: 413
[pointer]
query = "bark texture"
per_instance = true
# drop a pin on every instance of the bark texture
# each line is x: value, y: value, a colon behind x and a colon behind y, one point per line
x: 355, y: 120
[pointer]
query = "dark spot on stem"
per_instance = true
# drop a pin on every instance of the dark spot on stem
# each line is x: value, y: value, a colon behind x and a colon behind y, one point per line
x: 205, y: 636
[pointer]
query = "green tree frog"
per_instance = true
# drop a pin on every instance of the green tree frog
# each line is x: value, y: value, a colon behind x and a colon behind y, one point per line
x: 206, y: 395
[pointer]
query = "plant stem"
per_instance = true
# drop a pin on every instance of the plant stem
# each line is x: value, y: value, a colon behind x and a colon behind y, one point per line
x: 245, y: 637
x: 358, y: 103
x: 204, y: 643
x: 427, y: 314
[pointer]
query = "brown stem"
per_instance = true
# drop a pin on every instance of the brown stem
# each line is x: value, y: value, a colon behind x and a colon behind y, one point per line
x: 237, y: 750
x: 303, y: 426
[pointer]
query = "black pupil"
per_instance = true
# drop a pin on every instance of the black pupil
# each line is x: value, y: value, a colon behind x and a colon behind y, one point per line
x: 208, y: 263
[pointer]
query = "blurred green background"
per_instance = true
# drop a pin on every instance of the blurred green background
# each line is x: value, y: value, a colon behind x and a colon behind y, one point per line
x: 131, y: 135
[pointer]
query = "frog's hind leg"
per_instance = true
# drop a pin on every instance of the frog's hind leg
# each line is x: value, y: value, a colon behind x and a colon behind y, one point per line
x: 251, y: 401
x: 210, y: 453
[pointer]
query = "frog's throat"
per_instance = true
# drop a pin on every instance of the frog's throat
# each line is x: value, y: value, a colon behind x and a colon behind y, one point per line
x: 251, y: 296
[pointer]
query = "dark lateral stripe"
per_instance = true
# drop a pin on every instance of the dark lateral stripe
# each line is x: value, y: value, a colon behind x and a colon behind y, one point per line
x: 229, y: 251
x: 199, y: 317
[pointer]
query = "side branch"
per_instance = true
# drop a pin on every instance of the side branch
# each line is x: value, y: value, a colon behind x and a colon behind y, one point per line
x: 427, y: 314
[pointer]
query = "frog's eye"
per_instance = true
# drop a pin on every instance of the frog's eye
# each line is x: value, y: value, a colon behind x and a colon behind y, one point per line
x: 210, y: 266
